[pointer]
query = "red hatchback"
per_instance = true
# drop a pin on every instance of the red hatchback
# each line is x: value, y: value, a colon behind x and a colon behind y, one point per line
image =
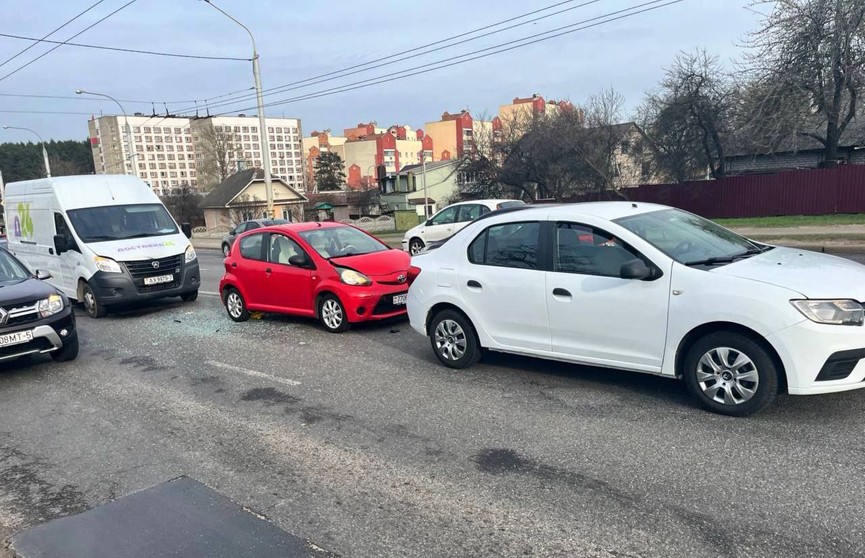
x: 333, y: 272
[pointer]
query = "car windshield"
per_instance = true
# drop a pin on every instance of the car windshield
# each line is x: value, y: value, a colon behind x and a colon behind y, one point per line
x: 118, y: 222
x: 11, y: 271
x: 337, y: 242
x: 689, y: 239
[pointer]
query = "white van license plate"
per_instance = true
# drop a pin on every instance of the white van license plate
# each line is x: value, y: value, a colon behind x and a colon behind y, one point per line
x: 16, y: 338
x: 399, y: 300
x: 159, y: 279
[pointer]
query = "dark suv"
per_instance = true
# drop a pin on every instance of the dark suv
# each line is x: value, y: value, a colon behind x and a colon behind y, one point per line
x: 228, y: 239
x: 34, y: 316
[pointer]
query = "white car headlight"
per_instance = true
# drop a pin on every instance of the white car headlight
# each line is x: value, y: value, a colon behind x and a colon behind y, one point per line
x: 352, y: 277
x: 835, y: 312
x: 50, y: 306
x: 107, y: 265
x: 190, y: 254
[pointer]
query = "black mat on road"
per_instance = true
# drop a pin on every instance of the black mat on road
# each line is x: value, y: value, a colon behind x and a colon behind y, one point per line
x: 180, y: 518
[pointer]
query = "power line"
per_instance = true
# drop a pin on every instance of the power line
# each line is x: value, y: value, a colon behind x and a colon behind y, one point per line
x: 52, y: 49
x: 25, y: 49
x: 490, y: 51
x: 134, y: 101
x: 120, y: 49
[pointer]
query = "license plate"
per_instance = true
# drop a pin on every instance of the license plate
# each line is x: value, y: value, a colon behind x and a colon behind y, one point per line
x: 158, y: 279
x: 16, y: 338
x: 399, y: 300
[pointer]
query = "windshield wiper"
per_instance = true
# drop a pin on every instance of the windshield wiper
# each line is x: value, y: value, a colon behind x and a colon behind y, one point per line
x: 727, y: 259
x: 99, y: 238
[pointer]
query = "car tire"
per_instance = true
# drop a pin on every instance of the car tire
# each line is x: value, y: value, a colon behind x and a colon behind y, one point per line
x: 331, y: 314
x: 235, y: 305
x: 190, y: 296
x: 415, y: 245
x: 454, y: 339
x: 226, y: 250
x: 731, y: 374
x: 92, y: 305
x: 69, y: 351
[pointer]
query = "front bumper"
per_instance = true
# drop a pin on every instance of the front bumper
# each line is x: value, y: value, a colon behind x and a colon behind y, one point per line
x: 49, y: 334
x: 372, y: 303
x: 821, y: 358
x: 121, y: 288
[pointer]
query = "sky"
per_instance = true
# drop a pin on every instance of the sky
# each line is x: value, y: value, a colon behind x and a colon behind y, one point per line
x: 302, y: 40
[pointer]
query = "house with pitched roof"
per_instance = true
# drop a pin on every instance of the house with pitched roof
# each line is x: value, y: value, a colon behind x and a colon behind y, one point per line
x: 242, y: 196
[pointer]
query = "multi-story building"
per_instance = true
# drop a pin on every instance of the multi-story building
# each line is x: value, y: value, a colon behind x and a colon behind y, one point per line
x: 452, y: 136
x: 169, y: 151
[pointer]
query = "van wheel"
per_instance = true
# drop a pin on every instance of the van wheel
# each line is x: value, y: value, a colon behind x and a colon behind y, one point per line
x: 92, y: 306
x: 69, y: 351
x: 235, y: 305
x: 454, y: 340
x: 190, y: 296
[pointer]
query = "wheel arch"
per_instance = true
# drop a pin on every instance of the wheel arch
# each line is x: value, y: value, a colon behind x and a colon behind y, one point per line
x: 320, y: 295
x: 713, y: 327
x: 438, y: 307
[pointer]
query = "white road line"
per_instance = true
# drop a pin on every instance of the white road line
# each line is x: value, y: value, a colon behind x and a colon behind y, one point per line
x: 253, y: 373
x: 208, y: 293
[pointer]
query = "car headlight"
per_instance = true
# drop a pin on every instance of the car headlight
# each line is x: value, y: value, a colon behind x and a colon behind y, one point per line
x: 107, y: 265
x: 50, y: 306
x: 352, y: 277
x: 190, y: 254
x: 835, y: 312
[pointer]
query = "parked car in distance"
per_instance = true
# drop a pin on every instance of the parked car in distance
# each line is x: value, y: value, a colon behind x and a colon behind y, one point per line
x: 646, y: 288
x: 450, y: 220
x: 34, y: 316
x: 330, y: 271
x: 228, y: 239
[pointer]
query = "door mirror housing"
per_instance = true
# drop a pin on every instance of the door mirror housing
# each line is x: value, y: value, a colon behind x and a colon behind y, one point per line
x: 300, y: 260
x: 428, y: 223
x: 61, y: 244
x: 43, y: 275
x: 635, y: 269
x: 187, y: 229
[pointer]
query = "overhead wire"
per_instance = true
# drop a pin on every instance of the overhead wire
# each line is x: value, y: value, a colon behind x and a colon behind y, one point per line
x: 134, y: 101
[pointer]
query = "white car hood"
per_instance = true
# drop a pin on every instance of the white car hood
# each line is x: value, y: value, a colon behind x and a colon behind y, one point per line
x: 811, y: 274
x: 147, y: 248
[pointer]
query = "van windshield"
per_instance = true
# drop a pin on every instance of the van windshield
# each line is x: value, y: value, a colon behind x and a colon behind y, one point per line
x: 119, y: 222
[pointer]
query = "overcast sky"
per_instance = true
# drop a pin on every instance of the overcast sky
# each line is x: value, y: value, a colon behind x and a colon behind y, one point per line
x: 300, y: 40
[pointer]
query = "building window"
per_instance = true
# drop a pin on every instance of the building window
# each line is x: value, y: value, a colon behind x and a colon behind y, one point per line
x: 625, y: 148
x: 245, y: 129
x: 278, y: 130
x: 178, y: 131
x: 146, y: 130
x: 270, y: 129
x: 136, y: 130
x: 254, y: 138
x: 645, y: 170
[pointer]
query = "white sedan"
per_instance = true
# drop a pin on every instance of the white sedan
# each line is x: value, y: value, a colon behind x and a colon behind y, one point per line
x: 449, y: 221
x: 646, y: 288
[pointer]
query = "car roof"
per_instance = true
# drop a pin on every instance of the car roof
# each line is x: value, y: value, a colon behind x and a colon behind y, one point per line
x: 605, y: 210
x: 308, y: 226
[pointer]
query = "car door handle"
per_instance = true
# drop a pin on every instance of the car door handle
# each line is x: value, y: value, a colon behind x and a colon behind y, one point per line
x: 267, y: 270
x: 474, y: 284
x: 561, y: 292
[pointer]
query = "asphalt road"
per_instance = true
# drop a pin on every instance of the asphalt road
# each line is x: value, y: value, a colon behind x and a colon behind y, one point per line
x: 365, y: 445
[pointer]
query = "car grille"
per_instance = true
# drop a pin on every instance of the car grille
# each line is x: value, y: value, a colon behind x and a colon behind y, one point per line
x: 386, y: 306
x: 21, y: 314
x: 38, y: 344
x: 145, y: 268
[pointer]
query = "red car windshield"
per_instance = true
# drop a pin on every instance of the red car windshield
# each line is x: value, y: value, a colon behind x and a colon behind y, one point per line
x: 337, y: 242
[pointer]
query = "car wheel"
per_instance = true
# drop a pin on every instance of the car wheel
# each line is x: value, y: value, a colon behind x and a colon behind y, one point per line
x: 415, y: 246
x: 454, y: 339
x: 235, y: 305
x: 92, y: 306
x: 731, y: 374
x: 69, y: 351
x: 190, y: 296
x: 331, y: 312
x: 226, y: 249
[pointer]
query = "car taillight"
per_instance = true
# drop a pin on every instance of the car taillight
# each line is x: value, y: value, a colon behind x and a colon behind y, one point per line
x: 413, y: 272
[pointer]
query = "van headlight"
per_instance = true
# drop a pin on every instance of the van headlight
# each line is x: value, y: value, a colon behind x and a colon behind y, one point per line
x: 190, y: 254
x: 107, y: 265
x: 352, y: 277
x: 49, y: 306
x: 834, y: 312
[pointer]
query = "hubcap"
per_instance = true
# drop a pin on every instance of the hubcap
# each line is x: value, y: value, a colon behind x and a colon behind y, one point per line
x: 235, y: 305
x: 416, y: 248
x: 331, y: 313
x: 450, y: 340
x: 89, y: 301
x: 225, y: 250
x: 727, y: 376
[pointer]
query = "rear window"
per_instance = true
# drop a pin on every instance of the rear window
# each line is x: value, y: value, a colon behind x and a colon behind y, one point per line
x: 507, y: 245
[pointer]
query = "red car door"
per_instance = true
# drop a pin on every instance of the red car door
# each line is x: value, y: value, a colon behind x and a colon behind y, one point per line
x: 251, y: 269
x: 289, y: 286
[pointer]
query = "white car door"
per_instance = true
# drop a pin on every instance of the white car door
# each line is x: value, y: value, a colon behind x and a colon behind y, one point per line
x: 502, y: 284
x: 596, y: 316
x: 441, y: 225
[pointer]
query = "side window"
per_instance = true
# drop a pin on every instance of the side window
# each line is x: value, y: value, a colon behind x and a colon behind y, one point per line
x: 252, y: 225
x: 469, y: 212
x: 282, y: 249
x: 62, y: 228
x: 250, y: 247
x: 484, y: 209
x: 445, y: 216
x: 508, y: 245
x: 589, y: 251
x: 240, y: 228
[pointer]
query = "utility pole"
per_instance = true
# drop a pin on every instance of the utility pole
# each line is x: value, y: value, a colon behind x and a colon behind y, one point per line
x: 41, y: 142
x: 128, y: 130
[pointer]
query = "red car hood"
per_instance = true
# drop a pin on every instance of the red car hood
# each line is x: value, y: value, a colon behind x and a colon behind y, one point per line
x: 377, y: 263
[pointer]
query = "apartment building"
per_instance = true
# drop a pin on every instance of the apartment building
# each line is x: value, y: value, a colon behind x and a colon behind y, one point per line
x: 170, y: 151
x: 452, y: 136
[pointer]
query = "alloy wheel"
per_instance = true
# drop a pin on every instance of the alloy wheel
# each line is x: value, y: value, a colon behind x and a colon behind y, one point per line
x: 234, y: 304
x: 450, y: 340
x: 415, y: 247
x: 331, y: 313
x: 727, y: 376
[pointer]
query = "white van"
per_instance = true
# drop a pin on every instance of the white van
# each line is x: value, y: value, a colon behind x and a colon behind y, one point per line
x: 105, y: 239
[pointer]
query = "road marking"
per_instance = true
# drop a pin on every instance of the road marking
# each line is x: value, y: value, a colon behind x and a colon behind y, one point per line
x: 208, y: 293
x: 253, y: 373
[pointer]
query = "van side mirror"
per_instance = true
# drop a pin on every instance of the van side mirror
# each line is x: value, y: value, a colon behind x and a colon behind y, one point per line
x: 299, y: 260
x: 187, y: 229
x: 43, y: 275
x: 61, y: 244
x: 635, y: 269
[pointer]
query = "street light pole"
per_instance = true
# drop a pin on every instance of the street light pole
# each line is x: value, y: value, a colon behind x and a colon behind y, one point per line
x: 128, y: 131
x: 44, y: 151
x: 262, y: 122
x: 425, y: 199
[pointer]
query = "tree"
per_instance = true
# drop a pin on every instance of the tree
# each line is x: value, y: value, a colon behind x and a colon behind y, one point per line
x: 183, y: 204
x: 220, y: 154
x: 23, y: 161
x: 809, y: 55
x: 244, y: 208
x: 329, y: 173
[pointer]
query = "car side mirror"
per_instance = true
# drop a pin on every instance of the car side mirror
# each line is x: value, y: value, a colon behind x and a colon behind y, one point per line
x: 299, y: 261
x: 428, y: 223
x: 43, y: 275
x: 635, y: 269
x: 187, y: 229
x: 61, y: 244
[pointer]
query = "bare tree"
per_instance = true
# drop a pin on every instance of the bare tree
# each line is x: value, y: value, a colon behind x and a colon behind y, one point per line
x: 219, y: 153
x: 244, y: 208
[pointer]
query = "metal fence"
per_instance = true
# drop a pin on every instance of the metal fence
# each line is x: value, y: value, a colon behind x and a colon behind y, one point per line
x: 373, y: 224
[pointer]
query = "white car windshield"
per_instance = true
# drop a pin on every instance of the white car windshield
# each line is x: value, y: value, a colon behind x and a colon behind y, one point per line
x: 688, y: 238
x: 337, y: 242
x: 119, y: 222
